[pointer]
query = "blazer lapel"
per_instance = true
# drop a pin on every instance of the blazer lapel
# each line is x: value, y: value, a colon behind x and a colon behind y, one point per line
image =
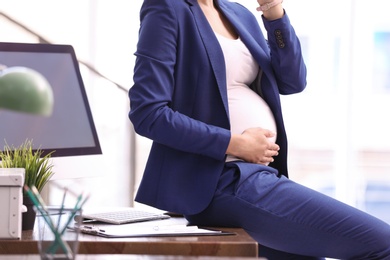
x: 256, y: 48
x: 213, y: 50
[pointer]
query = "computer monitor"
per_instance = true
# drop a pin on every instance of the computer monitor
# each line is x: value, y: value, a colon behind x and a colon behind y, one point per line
x: 70, y: 130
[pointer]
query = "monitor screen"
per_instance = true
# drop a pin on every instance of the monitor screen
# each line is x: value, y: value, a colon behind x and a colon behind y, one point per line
x: 70, y: 129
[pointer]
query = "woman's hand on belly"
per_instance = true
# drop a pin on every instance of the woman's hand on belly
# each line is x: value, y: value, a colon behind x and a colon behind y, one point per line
x: 254, y: 145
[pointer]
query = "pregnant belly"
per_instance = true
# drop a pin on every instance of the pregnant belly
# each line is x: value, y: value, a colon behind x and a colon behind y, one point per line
x: 248, y: 110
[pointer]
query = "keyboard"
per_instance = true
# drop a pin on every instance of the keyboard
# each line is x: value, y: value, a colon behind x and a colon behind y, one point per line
x: 123, y: 216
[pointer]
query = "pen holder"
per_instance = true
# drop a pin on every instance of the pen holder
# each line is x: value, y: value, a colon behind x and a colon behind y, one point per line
x: 56, y: 241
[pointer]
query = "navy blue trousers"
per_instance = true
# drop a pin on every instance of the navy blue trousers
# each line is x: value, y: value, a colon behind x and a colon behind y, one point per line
x: 291, y: 221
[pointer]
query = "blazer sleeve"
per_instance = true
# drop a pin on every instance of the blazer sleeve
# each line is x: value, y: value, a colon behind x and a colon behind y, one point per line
x: 286, y: 55
x: 154, y: 84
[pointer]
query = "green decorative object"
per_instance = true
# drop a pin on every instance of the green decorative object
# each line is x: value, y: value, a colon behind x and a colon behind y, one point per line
x: 38, y: 169
x: 25, y: 90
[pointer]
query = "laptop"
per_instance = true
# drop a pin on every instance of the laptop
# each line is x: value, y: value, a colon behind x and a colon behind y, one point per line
x: 121, y: 216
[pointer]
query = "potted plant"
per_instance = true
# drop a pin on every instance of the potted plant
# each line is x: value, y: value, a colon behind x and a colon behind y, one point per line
x: 38, y: 171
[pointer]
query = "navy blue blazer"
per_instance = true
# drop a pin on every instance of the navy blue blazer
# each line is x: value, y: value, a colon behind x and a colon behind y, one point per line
x: 179, y: 96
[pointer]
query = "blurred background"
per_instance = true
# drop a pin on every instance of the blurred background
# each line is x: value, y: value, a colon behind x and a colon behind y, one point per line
x: 338, y: 127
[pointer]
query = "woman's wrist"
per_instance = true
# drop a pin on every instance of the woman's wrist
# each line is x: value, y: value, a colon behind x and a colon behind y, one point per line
x: 268, y: 5
x: 234, y: 144
x: 272, y: 10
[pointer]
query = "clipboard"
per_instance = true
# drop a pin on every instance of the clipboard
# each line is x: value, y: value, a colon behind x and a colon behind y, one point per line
x: 150, y: 231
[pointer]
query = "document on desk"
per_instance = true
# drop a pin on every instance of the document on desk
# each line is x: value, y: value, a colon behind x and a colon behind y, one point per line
x: 150, y: 231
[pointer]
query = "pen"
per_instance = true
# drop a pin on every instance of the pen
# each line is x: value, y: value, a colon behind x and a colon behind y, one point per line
x: 62, y: 207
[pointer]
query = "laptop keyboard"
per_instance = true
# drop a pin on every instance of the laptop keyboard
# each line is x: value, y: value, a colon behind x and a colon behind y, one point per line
x: 123, y: 216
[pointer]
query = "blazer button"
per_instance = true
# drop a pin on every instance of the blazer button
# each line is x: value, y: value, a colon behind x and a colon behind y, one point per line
x: 279, y: 38
x: 278, y: 33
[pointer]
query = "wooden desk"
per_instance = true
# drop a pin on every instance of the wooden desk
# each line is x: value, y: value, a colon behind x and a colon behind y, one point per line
x: 238, y: 245
x: 132, y: 257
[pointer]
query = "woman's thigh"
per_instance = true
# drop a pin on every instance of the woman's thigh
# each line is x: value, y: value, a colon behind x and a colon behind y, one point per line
x: 289, y: 217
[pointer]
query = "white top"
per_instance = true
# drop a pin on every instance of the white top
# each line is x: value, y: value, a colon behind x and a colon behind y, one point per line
x: 246, y: 108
